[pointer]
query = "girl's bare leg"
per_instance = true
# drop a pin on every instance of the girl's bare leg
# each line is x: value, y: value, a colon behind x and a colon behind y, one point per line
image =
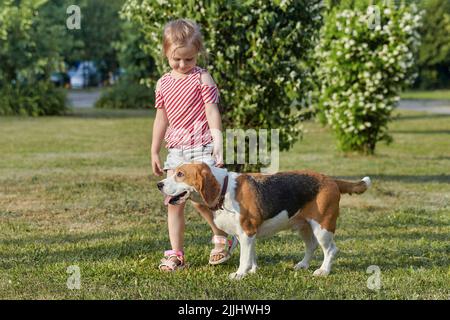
x: 176, y: 224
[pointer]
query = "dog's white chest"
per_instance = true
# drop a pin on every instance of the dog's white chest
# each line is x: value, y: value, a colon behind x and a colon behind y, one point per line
x: 227, y: 221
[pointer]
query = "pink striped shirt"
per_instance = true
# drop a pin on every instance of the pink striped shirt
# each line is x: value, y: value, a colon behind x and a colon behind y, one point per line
x: 184, y: 101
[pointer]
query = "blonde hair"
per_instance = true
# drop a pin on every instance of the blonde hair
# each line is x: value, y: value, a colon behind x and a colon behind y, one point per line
x: 182, y: 32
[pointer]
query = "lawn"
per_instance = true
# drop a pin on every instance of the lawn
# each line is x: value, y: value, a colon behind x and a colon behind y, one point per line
x: 78, y: 191
x: 422, y: 94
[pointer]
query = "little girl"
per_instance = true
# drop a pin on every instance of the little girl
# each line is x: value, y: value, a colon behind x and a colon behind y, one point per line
x: 186, y: 99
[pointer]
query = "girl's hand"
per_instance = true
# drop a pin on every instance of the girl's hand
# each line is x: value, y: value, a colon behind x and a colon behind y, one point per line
x: 156, y: 165
x: 218, y: 155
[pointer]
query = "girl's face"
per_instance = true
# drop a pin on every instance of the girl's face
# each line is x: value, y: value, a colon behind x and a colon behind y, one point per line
x: 182, y: 59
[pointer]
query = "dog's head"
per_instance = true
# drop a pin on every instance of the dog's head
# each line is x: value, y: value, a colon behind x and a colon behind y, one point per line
x: 193, y: 181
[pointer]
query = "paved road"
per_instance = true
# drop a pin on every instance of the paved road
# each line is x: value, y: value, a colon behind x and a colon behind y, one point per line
x: 87, y: 98
x: 432, y: 106
x: 83, y: 98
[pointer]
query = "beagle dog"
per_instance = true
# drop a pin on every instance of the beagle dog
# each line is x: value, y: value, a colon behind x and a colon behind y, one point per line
x: 253, y: 205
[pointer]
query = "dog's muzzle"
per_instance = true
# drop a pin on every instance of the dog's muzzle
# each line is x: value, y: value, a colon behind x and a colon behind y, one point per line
x: 168, y: 199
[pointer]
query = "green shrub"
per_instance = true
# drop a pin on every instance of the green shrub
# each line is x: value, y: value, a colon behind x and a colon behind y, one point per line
x: 38, y: 99
x: 29, y: 45
x: 125, y: 95
x: 29, y: 50
x: 434, y: 54
x: 362, y: 69
x: 132, y: 58
x: 259, y: 55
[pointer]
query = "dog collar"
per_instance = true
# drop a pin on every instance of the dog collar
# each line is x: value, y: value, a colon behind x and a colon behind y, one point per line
x: 219, y: 204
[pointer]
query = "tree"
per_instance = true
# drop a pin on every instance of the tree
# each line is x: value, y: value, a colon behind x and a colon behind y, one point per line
x: 28, y: 52
x: 100, y: 29
x: 128, y: 92
x: 434, y: 53
x: 138, y: 64
x: 28, y: 49
x: 259, y: 54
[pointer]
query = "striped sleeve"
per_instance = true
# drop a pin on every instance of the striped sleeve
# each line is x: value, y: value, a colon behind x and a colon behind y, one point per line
x: 210, y: 93
x: 159, y: 101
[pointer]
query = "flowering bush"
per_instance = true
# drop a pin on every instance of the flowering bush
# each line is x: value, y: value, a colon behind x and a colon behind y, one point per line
x: 259, y: 54
x: 365, y: 58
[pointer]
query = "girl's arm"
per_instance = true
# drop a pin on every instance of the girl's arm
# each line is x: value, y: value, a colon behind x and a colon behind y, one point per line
x: 159, y: 130
x: 214, y: 122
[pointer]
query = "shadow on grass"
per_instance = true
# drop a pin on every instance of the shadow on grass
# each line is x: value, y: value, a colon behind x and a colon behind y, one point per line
x: 403, y: 250
x: 442, y: 178
x: 388, y: 260
x: 421, y: 116
x: 421, y: 131
x: 80, y: 248
x: 438, y: 158
x: 94, y: 113
x: 64, y: 238
x: 351, y: 262
x: 359, y: 260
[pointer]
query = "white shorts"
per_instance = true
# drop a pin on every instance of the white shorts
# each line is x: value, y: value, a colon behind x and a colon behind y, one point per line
x: 178, y: 156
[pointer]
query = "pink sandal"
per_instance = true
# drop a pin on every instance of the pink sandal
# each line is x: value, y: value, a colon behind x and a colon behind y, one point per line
x: 173, y: 260
x: 224, y: 252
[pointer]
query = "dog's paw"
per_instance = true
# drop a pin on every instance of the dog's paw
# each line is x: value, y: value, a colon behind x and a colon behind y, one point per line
x: 253, y: 269
x: 236, y: 276
x: 301, y: 265
x: 321, y: 272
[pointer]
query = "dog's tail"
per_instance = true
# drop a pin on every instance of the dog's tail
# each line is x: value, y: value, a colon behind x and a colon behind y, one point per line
x: 354, y: 187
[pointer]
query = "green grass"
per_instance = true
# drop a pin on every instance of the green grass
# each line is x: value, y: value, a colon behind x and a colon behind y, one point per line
x: 433, y: 95
x: 78, y: 190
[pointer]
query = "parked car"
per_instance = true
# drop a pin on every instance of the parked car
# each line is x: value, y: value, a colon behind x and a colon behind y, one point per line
x: 84, y: 75
x: 60, y: 79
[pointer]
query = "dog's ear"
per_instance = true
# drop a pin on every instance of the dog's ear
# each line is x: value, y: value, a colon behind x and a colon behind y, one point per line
x: 209, y: 187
